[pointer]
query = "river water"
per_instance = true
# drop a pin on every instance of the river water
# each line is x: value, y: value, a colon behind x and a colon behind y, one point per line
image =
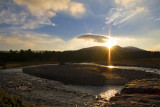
x: 98, y: 92
x: 152, y: 70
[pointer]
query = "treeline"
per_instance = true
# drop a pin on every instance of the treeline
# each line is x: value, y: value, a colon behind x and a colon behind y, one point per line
x: 93, y: 54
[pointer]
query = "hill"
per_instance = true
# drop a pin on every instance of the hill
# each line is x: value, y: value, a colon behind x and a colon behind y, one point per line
x: 116, y: 48
x: 131, y: 48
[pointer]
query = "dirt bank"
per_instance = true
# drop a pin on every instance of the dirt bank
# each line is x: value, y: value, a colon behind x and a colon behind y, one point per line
x: 139, y: 93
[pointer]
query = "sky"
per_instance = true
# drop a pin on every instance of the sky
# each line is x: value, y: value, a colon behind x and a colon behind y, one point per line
x: 74, y: 24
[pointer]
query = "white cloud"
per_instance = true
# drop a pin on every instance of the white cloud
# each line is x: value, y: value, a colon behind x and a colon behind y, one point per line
x: 35, y: 41
x: 51, y: 14
x: 36, y: 22
x: 32, y: 14
x: 28, y: 40
x: 13, y: 40
x: 127, y: 3
x: 125, y: 10
x: 9, y: 17
x: 23, y: 19
x: 129, y: 15
x: 41, y: 7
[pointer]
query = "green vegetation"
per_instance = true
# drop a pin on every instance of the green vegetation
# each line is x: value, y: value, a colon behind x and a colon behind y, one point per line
x: 9, y: 100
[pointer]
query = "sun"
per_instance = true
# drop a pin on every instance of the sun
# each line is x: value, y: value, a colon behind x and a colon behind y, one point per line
x: 110, y: 43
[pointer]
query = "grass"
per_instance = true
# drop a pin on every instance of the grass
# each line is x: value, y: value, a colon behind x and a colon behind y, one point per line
x: 77, y: 74
x: 9, y: 100
x: 24, y: 63
x: 69, y: 74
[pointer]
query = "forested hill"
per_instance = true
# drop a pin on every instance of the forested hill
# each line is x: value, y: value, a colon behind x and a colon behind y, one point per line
x: 91, y: 54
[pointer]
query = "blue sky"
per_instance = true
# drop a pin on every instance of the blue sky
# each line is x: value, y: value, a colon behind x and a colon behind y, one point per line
x: 74, y: 24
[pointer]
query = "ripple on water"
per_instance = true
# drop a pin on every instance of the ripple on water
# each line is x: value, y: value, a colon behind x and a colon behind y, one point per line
x: 104, y: 92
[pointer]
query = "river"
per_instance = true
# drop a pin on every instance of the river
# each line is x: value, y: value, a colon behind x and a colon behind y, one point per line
x: 56, y: 92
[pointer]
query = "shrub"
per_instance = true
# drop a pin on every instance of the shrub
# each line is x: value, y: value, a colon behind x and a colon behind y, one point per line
x: 9, y: 100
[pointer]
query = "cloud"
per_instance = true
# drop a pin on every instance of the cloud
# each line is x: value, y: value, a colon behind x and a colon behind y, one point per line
x: 51, y: 14
x: 157, y: 19
x: 9, y: 17
x: 15, y: 41
x: 26, y: 40
x: 22, y: 18
x: 37, y: 22
x: 127, y: 3
x: 130, y: 15
x: 125, y: 10
x: 95, y: 37
x: 154, y: 18
x: 41, y: 7
x: 37, y: 41
x: 32, y: 14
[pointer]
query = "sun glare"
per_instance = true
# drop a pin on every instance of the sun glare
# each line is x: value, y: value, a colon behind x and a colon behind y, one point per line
x: 110, y: 43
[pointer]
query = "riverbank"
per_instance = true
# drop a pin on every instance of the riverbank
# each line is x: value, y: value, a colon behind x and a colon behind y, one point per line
x: 41, y: 91
x: 17, y: 64
x: 143, y: 93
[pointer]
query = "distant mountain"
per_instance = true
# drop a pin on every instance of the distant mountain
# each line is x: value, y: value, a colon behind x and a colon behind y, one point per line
x: 115, y: 48
x: 133, y: 49
x: 94, y: 48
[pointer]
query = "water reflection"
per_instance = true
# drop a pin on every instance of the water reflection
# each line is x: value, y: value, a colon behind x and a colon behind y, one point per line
x: 152, y: 70
x: 109, y: 93
x: 111, y: 66
x: 104, y: 92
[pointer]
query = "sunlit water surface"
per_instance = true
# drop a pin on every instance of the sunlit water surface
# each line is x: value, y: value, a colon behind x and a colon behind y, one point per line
x: 105, y: 92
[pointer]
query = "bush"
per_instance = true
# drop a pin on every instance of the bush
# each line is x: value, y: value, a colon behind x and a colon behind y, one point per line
x: 9, y: 100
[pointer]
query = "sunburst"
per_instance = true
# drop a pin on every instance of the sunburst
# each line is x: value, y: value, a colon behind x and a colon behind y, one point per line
x: 110, y: 43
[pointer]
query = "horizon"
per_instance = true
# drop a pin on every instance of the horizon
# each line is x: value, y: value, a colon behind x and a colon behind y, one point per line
x: 74, y: 24
x: 80, y: 49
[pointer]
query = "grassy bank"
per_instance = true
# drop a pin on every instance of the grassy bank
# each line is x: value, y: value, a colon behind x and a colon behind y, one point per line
x: 23, y: 64
x: 88, y: 74
x: 9, y: 100
x: 69, y: 74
